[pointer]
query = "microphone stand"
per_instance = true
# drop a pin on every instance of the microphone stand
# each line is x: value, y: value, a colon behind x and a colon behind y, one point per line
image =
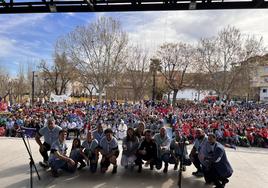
x: 181, y: 161
x: 32, y: 163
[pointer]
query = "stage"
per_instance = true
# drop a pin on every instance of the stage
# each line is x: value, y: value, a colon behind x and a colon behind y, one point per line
x: 250, y: 170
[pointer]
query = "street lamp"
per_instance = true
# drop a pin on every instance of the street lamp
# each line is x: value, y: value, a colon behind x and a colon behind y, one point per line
x: 11, y: 84
x: 153, y: 95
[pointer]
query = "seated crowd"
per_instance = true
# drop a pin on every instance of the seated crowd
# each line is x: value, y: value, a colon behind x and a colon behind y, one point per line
x: 233, y: 124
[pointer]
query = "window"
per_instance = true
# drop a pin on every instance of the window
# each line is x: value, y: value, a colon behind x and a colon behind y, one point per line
x: 264, y: 90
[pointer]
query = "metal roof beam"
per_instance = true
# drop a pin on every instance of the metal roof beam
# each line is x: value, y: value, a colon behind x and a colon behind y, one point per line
x: 124, y: 5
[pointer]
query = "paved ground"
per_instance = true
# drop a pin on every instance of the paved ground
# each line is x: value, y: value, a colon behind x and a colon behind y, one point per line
x: 250, y: 170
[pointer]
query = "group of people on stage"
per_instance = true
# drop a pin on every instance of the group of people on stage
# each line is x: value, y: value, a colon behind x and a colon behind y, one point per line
x: 140, y: 147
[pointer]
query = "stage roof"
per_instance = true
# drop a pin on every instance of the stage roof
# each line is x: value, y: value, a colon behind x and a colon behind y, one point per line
x: 43, y: 6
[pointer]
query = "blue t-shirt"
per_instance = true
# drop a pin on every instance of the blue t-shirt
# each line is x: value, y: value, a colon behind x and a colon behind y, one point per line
x: 108, y: 146
x: 59, y: 147
x: 50, y: 136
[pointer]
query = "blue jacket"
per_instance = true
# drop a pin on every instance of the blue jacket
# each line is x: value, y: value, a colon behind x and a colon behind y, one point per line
x: 220, y: 162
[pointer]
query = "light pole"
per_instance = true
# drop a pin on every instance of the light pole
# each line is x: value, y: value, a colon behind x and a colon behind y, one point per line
x: 153, y: 95
x: 33, y: 89
x: 10, y: 91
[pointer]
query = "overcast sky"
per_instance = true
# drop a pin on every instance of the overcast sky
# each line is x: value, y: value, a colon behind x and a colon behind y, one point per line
x: 27, y: 38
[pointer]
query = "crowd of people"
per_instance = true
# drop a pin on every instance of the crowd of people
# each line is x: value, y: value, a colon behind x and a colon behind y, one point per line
x: 152, y: 135
x: 240, y: 125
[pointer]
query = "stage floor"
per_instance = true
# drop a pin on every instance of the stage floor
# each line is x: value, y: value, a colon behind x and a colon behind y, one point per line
x: 250, y: 170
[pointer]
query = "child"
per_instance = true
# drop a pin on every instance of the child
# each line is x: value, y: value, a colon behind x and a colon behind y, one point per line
x: 76, y: 154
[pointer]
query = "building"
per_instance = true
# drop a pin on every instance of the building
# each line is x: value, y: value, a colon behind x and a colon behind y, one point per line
x: 260, y: 80
x: 192, y: 94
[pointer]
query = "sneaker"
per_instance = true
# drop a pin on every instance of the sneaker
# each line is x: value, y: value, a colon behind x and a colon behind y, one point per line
x: 224, y: 182
x: 54, y: 173
x: 82, y: 165
x: 44, y: 164
x: 194, y: 173
x: 139, y: 169
x: 151, y: 166
x: 184, y: 168
x: 165, y: 169
x: 176, y: 166
x: 199, y: 174
x: 132, y: 167
x: 114, y: 170
x: 219, y: 186
x: 103, y: 170
x: 208, y: 182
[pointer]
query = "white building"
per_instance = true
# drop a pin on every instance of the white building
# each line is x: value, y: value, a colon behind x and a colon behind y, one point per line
x: 260, y: 80
x: 191, y: 94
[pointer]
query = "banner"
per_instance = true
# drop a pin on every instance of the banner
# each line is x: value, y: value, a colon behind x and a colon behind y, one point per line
x: 58, y: 98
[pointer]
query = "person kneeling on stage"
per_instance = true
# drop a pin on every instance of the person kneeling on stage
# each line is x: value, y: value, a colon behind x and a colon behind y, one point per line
x: 109, y: 150
x: 130, y: 147
x: 178, y: 150
x: 90, y: 152
x: 50, y: 133
x: 163, y: 145
x: 58, y: 159
x: 147, y: 151
x: 75, y: 153
x: 219, y: 168
x: 198, y: 152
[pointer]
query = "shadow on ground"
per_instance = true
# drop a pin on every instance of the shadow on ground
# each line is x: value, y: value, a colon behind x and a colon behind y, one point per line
x: 123, y: 179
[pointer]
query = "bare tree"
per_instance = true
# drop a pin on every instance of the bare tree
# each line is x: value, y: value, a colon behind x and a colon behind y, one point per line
x: 20, y: 85
x: 176, y: 61
x: 58, y: 75
x: 221, y: 56
x: 244, y: 85
x: 86, y: 83
x: 99, y: 50
x: 138, y: 71
x: 5, y: 86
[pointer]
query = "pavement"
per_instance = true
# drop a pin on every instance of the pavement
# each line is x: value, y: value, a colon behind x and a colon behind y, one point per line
x: 250, y: 170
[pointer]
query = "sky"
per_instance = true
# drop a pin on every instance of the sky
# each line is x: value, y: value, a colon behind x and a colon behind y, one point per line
x: 28, y: 38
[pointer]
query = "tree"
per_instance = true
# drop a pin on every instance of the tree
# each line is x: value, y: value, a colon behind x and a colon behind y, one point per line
x: 137, y: 71
x: 86, y: 83
x: 248, y: 77
x: 20, y: 86
x: 99, y: 51
x: 253, y: 54
x: 60, y: 74
x: 5, y: 87
x: 220, y: 57
x: 175, y: 60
